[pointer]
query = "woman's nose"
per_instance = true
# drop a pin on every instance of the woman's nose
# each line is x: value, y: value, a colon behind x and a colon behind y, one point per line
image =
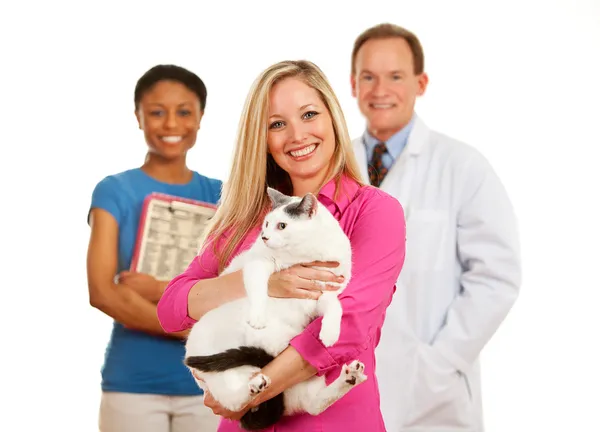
x: 297, y: 134
x: 171, y: 120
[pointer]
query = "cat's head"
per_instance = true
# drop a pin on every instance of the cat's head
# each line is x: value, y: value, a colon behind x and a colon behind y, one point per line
x: 291, y: 220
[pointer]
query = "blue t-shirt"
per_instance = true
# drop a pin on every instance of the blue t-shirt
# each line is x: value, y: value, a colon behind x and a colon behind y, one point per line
x: 137, y: 362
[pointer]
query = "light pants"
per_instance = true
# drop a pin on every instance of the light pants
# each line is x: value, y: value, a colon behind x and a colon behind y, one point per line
x: 129, y: 412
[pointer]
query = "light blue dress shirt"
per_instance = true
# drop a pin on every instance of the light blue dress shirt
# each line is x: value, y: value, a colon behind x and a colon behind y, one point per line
x: 394, y: 145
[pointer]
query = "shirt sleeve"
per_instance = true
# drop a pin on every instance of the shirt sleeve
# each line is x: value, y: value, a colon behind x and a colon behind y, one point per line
x: 172, y: 309
x: 217, y: 189
x: 106, y: 197
x: 378, y: 242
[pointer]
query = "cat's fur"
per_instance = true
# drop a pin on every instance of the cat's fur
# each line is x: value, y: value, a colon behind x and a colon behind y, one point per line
x: 229, y: 345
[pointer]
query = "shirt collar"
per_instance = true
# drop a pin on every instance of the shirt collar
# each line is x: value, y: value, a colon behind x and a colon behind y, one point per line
x: 395, y: 144
x: 346, y: 193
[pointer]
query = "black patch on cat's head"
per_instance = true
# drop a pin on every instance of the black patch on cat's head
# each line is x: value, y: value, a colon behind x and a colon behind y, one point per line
x: 308, y: 207
x: 277, y: 198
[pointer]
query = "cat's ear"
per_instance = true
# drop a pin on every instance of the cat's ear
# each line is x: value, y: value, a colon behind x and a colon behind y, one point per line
x: 277, y: 198
x: 308, y: 205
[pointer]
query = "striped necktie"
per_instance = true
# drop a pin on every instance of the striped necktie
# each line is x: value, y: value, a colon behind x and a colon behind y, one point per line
x: 377, y: 171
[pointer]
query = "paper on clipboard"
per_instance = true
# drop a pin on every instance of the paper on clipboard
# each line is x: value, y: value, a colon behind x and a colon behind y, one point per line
x: 169, y: 234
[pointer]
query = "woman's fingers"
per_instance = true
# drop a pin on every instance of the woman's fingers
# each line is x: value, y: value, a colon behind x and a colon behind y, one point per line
x: 330, y: 264
x: 210, y: 402
x: 306, y: 294
x: 304, y: 282
x: 215, y: 406
x: 309, y: 279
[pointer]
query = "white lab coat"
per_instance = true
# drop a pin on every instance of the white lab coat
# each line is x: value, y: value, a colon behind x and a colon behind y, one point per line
x: 461, y: 276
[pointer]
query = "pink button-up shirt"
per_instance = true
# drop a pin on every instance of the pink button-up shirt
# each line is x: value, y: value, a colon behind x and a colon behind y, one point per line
x: 374, y: 222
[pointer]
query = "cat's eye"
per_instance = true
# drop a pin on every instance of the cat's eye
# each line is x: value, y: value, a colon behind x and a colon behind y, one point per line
x: 267, y: 224
x: 281, y: 225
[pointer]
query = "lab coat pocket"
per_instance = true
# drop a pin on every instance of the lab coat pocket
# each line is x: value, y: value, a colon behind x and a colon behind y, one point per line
x: 427, y: 241
x: 441, y: 396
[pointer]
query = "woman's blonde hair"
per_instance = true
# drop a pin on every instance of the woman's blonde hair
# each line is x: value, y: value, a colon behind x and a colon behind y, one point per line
x: 244, y: 199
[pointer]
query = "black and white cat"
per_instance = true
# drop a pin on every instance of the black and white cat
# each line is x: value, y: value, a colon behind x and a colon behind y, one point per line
x: 229, y: 345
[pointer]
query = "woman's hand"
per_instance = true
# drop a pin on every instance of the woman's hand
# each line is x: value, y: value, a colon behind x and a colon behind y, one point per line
x: 217, y: 409
x: 215, y: 406
x: 302, y: 281
x: 145, y: 285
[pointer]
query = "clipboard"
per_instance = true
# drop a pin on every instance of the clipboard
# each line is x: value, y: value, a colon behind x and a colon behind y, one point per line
x: 169, y: 234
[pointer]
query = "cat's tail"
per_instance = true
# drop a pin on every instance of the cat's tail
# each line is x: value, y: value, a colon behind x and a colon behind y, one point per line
x: 267, y: 413
x: 232, y: 358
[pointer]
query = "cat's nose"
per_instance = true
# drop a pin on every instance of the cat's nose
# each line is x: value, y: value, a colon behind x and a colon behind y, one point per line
x: 265, y: 238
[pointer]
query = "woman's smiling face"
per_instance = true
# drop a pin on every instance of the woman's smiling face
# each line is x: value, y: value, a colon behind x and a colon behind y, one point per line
x: 301, y: 136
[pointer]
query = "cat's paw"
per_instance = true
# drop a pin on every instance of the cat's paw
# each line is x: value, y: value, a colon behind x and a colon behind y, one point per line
x: 354, y: 373
x: 257, y: 321
x: 329, y: 334
x: 258, y: 384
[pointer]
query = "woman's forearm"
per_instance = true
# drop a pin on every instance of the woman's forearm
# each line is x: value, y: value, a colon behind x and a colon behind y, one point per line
x: 195, y: 292
x: 208, y: 294
x: 285, y: 371
x: 130, y: 309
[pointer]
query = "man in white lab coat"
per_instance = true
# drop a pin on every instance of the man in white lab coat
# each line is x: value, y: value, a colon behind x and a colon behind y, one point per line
x: 462, y: 271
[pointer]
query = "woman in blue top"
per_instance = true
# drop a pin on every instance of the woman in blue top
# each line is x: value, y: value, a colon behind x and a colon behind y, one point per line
x: 145, y: 385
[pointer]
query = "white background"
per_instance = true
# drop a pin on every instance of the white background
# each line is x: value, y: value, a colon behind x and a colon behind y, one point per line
x: 518, y: 80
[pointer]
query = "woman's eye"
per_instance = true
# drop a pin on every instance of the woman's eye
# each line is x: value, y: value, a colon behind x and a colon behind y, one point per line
x: 310, y: 114
x: 281, y: 225
x: 156, y: 113
x: 276, y: 125
x: 184, y: 113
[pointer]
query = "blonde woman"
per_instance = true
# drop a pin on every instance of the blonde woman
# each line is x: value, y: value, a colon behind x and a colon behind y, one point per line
x: 293, y: 137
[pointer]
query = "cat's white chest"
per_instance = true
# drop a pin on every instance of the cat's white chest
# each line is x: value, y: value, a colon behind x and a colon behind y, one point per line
x: 284, y: 319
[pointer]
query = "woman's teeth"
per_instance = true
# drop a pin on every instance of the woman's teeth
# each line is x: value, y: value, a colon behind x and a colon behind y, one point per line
x: 304, y: 151
x: 171, y: 139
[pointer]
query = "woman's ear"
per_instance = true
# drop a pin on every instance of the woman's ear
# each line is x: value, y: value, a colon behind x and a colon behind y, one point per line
x: 139, y: 118
x: 200, y: 119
